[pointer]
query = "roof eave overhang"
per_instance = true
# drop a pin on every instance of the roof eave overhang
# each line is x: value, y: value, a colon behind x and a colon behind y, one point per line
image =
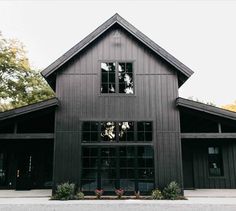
x: 28, y: 109
x: 205, y: 108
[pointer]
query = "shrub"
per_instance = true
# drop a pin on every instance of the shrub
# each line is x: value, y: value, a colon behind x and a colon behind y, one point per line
x: 172, y: 191
x: 119, y: 193
x: 157, y: 194
x: 79, y: 195
x: 65, y: 191
x: 98, y: 193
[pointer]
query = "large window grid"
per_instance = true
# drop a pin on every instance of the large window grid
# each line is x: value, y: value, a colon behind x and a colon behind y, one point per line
x: 112, y: 131
x: 128, y: 167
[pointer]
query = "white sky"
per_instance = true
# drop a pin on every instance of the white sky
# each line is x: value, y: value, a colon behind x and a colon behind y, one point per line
x: 201, y: 34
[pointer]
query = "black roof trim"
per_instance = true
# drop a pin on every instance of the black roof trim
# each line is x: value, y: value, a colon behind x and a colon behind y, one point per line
x: 29, y: 108
x: 205, y: 108
x: 187, y: 72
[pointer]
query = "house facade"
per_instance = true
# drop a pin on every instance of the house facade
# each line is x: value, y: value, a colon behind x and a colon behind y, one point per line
x: 117, y: 121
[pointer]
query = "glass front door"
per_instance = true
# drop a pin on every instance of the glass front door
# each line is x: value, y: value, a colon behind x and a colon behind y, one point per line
x: 109, y: 168
x: 3, y: 172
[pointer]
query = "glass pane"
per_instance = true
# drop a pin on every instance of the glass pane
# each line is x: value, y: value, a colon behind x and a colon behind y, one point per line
x: 108, y: 185
x: 213, y: 150
x: 141, y: 126
x: 129, y: 67
x: 141, y: 136
x: 112, y: 77
x: 94, y: 126
x: 94, y: 137
x: 121, y: 88
x: 111, y: 87
x: 145, y: 152
x: 126, y: 162
x: 127, y: 174
x: 89, y: 185
x: 108, y: 67
x: 126, y: 131
x: 86, y: 137
x: 108, y: 163
x: 108, y: 131
x: 127, y: 185
x: 108, y: 77
x: 148, y: 126
x: 121, y: 67
x: 86, y: 126
x: 105, y: 78
x: 108, y: 152
x: 89, y: 174
x: 148, y: 136
x: 145, y: 185
x: 126, y: 78
x: 145, y: 162
x: 146, y: 173
x: 127, y: 151
x: 104, y: 88
x: 89, y: 152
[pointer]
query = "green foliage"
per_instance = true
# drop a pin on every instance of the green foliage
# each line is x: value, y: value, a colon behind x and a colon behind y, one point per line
x: 157, y: 194
x: 202, y: 101
x: 79, y: 196
x: 65, y: 191
x: 172, y: 191
x: 19, y: 84
x: 230, y: 107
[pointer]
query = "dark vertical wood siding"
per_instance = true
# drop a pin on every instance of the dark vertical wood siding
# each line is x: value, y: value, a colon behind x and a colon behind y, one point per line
x: 200, y: 164
x: 156, y: 88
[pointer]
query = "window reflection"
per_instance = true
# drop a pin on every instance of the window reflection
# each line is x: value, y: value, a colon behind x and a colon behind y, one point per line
x: 215, y: 161
x: 108, y: 132
x: 126, y: 131
x: 108, y: 77
x: 120, y: 75
x: 126, y: 84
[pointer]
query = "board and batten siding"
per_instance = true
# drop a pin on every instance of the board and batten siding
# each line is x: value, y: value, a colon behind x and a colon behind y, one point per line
x: 156, y: 88
x: 200, y: 165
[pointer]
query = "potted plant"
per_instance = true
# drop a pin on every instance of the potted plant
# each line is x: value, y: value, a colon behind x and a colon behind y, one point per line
x: 119, y: 192
x: 98, y: 193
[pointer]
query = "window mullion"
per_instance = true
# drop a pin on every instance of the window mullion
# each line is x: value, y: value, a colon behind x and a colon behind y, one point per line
x: 117, y: 78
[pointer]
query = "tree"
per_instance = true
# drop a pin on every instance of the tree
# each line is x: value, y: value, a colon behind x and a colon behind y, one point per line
x: 19, y: 84
x: 230, y: 107
x: 201, y: 101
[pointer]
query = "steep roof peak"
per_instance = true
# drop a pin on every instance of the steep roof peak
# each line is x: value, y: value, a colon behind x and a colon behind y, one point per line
x: 183, y: 71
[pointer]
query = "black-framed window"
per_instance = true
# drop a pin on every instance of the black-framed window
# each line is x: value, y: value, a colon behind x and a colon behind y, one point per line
x: 117, y: 77
x: 116, y: 131
x: 127, y: 167
x: 215, y: 161
x: 108, y: 75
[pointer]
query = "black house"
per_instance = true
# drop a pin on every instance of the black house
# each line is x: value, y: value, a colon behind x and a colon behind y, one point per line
x: 117, y: 121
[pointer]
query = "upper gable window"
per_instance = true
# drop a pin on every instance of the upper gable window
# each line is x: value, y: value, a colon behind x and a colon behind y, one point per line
x: 117, y: 77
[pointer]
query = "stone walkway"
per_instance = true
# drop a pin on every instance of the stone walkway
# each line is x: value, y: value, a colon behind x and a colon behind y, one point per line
x: 198, y: 200
x: 44, y: 204
x: 25, y: 194
x: 211, y: 193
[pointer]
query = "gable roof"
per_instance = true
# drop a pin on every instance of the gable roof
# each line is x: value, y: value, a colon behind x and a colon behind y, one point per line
x: 117, y: 19
x: 206, y: 108
x: 29, y: 108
